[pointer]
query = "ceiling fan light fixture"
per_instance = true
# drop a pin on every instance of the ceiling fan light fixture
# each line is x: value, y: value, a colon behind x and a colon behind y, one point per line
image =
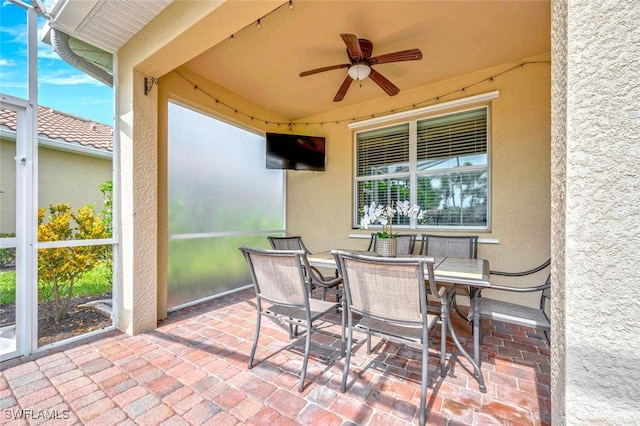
x: 359, y: 71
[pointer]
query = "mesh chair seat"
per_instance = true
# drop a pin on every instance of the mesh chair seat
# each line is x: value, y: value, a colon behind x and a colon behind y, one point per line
x: 498, y: 310
x: 294, y: 314
x: 514, y: 313
x: 386, y: 329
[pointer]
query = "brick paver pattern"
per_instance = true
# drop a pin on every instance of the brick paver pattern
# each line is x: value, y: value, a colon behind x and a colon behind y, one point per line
x: 192, y: 370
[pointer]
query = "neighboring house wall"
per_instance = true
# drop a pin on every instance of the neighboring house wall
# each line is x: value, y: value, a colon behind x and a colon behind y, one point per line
x: 7, y: 186
x: 70, y: 178
x: 64, y: 177
x: 74, y: 157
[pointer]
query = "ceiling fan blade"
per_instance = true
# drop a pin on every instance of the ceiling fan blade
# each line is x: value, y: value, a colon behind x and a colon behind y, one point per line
x: 353, y: 46
x: 343, y: 89
x: 384, y: 84
x: 403, y: 55
x: 323, y: 69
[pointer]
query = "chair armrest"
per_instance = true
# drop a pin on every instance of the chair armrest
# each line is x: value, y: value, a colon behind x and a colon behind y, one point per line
x: 524, y: 273
x: 315, y: 278
x: 520, y: 289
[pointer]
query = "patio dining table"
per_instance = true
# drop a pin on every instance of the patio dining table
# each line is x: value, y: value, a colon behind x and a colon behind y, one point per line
x: 473, y: 273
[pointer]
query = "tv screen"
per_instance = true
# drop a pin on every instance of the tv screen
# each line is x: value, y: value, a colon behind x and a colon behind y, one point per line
x: 295, y: 152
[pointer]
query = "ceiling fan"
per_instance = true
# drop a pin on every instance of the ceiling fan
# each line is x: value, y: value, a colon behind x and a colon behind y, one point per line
x: 360, y: 65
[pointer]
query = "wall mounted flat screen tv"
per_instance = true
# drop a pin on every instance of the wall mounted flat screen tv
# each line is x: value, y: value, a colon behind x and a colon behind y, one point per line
x: 295, y: 152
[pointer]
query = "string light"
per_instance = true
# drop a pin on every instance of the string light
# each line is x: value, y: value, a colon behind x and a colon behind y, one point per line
x: 417, y: 105
x: 259, y: 21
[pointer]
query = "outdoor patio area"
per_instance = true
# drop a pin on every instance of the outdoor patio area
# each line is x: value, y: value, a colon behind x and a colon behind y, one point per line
x: 193, y: 370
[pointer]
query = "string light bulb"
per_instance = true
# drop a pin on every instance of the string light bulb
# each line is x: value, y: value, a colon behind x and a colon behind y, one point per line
x: 258, y: 24
x: 232, y: 39
x: 290, y: 4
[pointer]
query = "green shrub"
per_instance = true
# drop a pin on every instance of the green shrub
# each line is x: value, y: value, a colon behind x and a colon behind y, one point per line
x: 60, y: 269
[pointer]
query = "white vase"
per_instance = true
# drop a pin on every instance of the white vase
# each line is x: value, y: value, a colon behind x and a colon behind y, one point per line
x: 387, y: 247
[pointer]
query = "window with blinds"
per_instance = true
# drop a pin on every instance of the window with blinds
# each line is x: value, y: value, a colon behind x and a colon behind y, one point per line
x: 445, y: 172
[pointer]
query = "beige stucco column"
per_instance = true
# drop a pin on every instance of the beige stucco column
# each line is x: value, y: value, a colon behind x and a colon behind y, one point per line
x: 137, y: 125
x: 182, y: 31
x: 595, y: 209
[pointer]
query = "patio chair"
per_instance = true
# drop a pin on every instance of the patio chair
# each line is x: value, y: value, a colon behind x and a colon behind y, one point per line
x: 281, y: 294
x: 328, y: 285
x: 388, y: 296
x: 512, y: 313
x: 462, y: 246
x: 406, y: 242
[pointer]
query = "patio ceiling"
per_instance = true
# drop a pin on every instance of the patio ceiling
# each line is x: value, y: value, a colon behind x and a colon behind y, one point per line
x: 263, y: 64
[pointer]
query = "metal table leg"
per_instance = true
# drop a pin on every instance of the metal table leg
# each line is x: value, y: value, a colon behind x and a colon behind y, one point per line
x: 476, y: 343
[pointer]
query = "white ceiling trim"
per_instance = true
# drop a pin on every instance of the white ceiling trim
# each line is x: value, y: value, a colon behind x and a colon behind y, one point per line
x: 431, y: 108
x: 107, y: 24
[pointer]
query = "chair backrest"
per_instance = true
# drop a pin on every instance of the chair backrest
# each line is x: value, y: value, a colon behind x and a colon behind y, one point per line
x: 287, y: 243
x: 462, y: 246
x: 278, y: 275
x: 406, y: 243
x: 387, y: 288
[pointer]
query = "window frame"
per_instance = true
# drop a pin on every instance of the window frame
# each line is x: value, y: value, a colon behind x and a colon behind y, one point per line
x: 412, y: 118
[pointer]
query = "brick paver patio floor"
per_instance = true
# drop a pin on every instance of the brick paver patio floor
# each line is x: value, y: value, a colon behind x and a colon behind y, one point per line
x: 192, y: 370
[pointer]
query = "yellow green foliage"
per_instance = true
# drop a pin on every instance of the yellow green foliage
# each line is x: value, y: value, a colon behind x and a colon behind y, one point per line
x: 60, y: 268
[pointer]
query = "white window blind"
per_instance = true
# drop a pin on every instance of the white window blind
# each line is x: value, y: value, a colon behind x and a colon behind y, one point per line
x: 455, y: 135
x: 383, y: 151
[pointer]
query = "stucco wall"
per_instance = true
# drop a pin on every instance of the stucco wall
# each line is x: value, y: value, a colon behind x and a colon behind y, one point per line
x: 598, y: 366
x: 320, y: 204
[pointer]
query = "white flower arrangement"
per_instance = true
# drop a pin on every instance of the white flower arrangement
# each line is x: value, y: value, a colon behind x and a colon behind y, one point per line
x: 384, y: 215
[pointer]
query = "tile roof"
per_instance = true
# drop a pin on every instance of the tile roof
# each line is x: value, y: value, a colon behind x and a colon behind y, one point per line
x: 64, y: 127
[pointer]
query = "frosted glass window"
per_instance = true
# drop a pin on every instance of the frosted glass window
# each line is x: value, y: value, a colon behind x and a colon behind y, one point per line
x: 220, y: 195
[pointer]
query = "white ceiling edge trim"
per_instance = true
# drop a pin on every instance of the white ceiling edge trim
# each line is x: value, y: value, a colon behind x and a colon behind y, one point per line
x: 431, y: 108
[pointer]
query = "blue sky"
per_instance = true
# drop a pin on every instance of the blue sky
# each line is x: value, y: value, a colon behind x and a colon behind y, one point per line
x: 60, y: 86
